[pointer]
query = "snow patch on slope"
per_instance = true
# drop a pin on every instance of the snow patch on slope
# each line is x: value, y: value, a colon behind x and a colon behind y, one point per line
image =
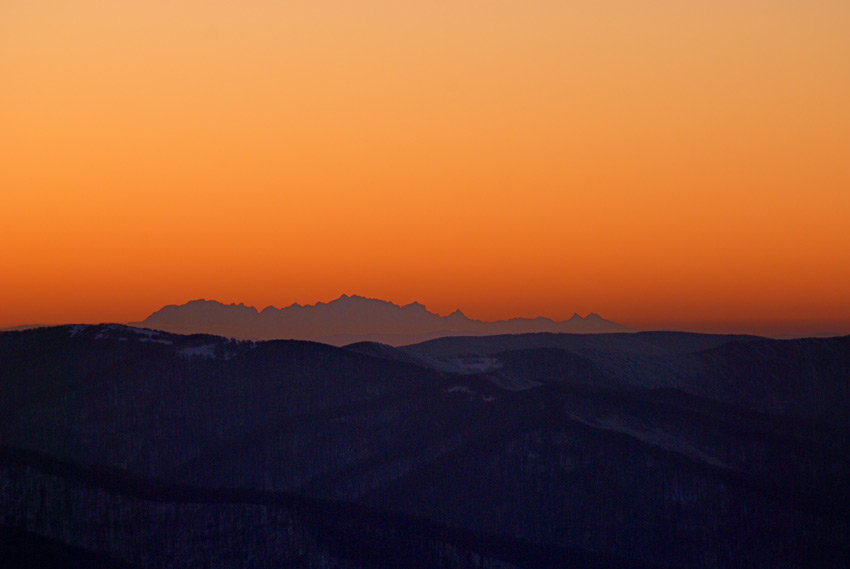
x: 206, y: 351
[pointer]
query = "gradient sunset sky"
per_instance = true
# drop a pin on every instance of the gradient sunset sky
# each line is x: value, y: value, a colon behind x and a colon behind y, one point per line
x: 662, y: 163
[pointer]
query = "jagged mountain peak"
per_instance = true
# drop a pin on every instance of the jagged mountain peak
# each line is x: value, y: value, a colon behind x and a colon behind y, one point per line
x: 352, y: 318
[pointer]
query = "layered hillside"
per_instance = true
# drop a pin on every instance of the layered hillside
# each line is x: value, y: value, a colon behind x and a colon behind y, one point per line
x: 535, y: 450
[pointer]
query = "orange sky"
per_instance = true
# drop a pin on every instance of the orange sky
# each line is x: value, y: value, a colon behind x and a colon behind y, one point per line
x: 663, y: 163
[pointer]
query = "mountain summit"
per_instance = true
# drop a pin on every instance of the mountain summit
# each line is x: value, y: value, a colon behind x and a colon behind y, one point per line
x: 350, y: 319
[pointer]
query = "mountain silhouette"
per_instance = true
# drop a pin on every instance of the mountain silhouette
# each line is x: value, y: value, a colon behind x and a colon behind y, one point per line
x: 350, y: 319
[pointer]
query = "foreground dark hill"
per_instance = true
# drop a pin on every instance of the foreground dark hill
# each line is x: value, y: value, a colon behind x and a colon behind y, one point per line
x: 351, y: 319
x: 615, y: 450
x: 169, y: 525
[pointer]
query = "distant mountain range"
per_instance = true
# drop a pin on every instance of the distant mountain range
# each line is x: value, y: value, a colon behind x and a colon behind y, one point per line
x: 350, y: 319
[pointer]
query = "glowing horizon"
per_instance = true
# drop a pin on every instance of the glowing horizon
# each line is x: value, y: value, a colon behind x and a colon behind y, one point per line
x: 770, y: 328
x: 662, y: 164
